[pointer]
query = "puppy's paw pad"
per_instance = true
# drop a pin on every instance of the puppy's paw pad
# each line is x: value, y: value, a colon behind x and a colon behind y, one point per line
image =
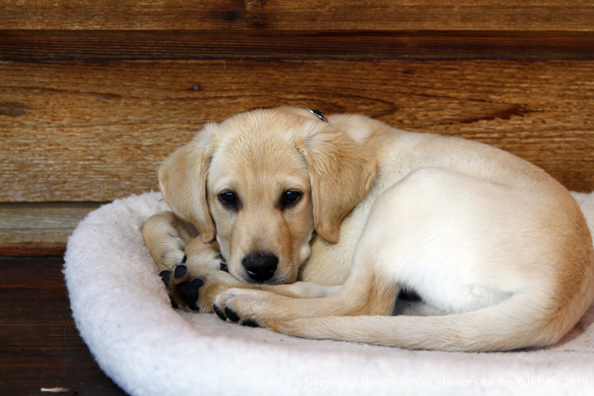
x: 189, y: 293
x: 232, y: 315
x: 219, y: 312
x: 180, y: 271
x: 165, y: 277
x: 251, y: 323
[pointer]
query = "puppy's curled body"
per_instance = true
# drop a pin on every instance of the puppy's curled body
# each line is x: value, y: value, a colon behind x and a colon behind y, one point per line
x: 354, y: 211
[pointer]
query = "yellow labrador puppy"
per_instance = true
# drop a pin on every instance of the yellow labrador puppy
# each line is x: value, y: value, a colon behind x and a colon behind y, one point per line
x: 314, y: 227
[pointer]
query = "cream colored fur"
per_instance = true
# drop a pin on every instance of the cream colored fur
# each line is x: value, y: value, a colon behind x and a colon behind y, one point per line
x: 498, y: 251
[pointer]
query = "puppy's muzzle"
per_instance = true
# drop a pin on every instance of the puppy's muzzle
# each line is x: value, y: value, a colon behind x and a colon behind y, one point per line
x: 260, y: 267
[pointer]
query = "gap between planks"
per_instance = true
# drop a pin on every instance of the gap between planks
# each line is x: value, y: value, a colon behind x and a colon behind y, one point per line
x: 39, y: 229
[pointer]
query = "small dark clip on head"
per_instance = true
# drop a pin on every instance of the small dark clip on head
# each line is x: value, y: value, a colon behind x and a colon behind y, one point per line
x: 319, y: 114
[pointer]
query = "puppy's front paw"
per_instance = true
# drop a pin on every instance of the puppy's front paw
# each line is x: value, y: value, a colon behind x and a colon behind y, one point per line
x: 245, y: 306
x: 182, y: 287
x: 193, y: 290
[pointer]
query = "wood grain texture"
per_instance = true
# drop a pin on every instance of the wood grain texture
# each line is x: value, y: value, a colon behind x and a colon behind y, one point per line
x: 97, y: 131
x: 39, y: 229
x: 331, y: 15
x: 34, y: 45
x: 40, y: 345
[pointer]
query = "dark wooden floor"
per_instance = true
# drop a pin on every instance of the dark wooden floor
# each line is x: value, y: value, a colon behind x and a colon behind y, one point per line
x: 39, y: 344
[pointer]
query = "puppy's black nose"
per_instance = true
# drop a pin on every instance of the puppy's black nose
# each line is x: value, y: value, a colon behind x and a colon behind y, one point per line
x: 260, y: 266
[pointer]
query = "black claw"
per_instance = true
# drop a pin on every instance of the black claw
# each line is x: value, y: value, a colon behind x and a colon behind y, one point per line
x: 180, y: 271
x: 231, y: 314
x: 189, y: 293
x: 184, y: 259
x: 165, y: 277
x: 197, y: 283
x: 219, y: 313
x: 251, y: 323
x: 223, y: 266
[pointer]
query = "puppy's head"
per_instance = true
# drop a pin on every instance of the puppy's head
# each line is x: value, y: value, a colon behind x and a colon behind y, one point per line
x: 261, y: 182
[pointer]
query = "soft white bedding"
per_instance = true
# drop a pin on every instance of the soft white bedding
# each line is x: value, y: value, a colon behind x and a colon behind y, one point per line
x: 124, y: 315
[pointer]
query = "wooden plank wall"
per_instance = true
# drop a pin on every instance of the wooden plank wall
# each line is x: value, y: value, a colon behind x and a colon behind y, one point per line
x: 95, y: 93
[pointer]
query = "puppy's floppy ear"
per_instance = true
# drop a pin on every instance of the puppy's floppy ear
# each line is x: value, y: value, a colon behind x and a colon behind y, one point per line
x: 341, y: 173
x: 182, y: 180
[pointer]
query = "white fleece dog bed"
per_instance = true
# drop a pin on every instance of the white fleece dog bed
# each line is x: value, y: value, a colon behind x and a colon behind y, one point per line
x: 124, y: 315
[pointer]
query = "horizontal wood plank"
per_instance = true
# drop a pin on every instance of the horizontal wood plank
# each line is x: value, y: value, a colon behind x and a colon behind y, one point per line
x: 97, y: 131
x: 41, y: 347
x: 35, y: 45
x: 39, y: 229
x: 332, y: 15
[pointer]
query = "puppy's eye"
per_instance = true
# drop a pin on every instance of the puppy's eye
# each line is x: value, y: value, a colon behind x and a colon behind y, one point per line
x: 290, y: 198
x: 229, y: 199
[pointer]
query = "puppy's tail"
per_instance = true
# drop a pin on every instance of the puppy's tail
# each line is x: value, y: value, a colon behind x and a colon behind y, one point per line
x: 502, y: 327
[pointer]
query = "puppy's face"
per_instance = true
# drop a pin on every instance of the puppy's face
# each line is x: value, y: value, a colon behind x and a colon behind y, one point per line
x: 258, y: 193
x: 261, y: 182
